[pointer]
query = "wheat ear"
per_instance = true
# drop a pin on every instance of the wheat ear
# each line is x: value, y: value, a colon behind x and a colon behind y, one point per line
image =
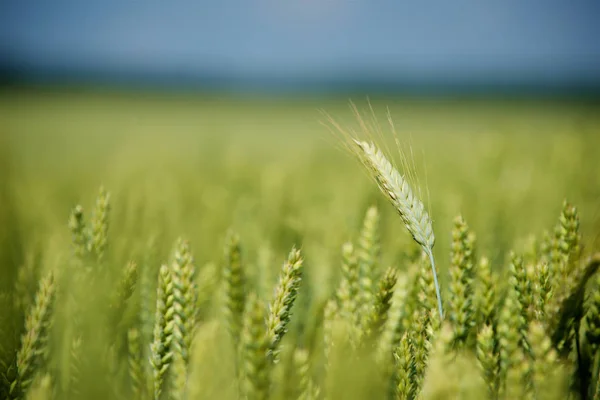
x: 161, y: 354
x: 411, y: 209
x: 283, y: 301
x: 34, y: 341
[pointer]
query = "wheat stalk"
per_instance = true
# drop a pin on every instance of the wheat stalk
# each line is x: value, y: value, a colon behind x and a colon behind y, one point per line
x: 411, y: 209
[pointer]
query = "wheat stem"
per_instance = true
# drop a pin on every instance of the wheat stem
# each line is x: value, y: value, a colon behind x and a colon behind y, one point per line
x: 437, y: 285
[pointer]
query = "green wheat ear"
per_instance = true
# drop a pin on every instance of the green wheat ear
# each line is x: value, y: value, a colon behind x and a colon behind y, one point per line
x: 75, y: 363
x: 405, y: 368
x: 546, y: 374
x: 123, y: 292
x: 35, y: 340
x: 565, y: 309
x: 99, y: 225
x: 462, y: 273
x: 135, y: 366
x: 409, y: 207
x: 161, y: 353
x: 368, y: 254
x: 184, y: 299
x: 383, y: 301
x: 255, y: 344
x: 78, y: 233
x: 485, y: 293
x: 285, y: 296
x: 349, y: 289
x: 234, y: 281
x: 488, y: 358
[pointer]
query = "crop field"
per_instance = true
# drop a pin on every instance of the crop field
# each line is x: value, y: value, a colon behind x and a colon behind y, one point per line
x: 174, y: 246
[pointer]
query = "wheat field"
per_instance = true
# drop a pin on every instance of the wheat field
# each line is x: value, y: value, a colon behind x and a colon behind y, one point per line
x: 205, y: 247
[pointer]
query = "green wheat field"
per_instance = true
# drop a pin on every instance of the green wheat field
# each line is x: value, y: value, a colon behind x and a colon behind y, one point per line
x: 200, y: 247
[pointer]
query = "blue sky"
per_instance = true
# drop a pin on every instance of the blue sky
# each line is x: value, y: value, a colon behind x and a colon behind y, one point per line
x: 438, y: 40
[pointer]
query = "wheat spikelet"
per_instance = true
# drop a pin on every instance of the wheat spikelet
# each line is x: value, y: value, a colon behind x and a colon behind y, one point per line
x: 255, y: 367
x: 394, y: 327
x: 160, y: 350
x: 485, y: 293
x: 409, y: 207
x: 405, y: 371
x: 184, y: 299
x: 99, y: 225
x: 234, y: 281
x: 508, y: 337
x: 349, y: 288
x: 542, y: 289
x: 462, y: 271
x: 349, y: 296
x: 565, y: 308
x: 519, y: 286
x: 75, y: 361
x: 135, y: 367
x: 34, y: 341
x: 488, y: 358
x: 565, y: 244
x: 367, y: 254
x: 127, y: 284
x: 123, y: 292
x: 285, y: 296
x: 546, y: 374
x: 78, y: 233
x: 421, y: 342
x: 398, y: 191
x: 383, y: 301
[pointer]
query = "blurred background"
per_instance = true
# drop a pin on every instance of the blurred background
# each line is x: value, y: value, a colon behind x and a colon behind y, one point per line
x: 300, y: 46
x: 203, y: 116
